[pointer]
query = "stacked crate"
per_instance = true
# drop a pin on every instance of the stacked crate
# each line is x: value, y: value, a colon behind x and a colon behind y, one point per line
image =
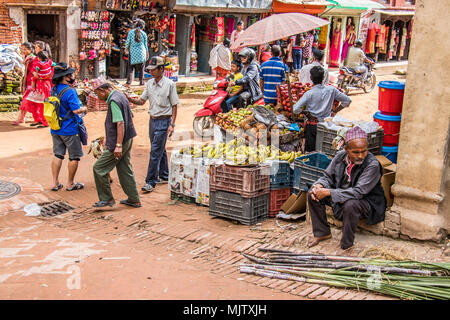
x: 240, y: 193
x: 308, y: 169
x: 280, y: 185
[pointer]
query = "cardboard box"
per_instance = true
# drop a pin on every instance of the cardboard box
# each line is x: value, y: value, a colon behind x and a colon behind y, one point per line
x: 295, y: 204
x: 388, y: 178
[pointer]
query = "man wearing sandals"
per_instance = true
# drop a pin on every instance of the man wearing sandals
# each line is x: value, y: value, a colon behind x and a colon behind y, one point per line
x: 351, y: 185
x: 66, y: 138
x: 119, y: 140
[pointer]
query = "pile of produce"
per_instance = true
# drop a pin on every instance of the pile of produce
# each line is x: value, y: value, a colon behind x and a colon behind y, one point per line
x: 238, y: 152
x: 297, y: 91
x: 411, y: 280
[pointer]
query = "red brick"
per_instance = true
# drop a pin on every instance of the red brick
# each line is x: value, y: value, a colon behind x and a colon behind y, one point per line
x: 307, y: 291
x: 318, y: 292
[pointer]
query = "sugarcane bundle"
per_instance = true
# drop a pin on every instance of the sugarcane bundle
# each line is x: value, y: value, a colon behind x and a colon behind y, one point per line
x: 403, y: 279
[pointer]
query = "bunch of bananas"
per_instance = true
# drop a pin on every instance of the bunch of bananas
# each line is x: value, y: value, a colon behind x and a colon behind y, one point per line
x: 238, y: 152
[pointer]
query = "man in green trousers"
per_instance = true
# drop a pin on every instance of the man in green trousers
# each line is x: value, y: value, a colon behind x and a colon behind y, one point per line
x: 119, y: 140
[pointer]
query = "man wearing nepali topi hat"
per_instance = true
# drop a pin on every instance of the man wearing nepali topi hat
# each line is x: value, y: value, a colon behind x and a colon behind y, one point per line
x: 119, y: 141
x: 351, y: 186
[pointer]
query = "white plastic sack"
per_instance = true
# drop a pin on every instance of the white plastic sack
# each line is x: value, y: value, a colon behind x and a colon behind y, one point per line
x: 32, y: 210
x: 220, y: 56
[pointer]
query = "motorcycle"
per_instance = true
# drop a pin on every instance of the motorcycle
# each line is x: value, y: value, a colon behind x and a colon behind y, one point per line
x: 349, y: 79
x: 205, y: 118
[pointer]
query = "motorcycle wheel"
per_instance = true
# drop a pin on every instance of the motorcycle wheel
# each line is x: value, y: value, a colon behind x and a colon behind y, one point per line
x: 370, y: 83
x: 204, y: 126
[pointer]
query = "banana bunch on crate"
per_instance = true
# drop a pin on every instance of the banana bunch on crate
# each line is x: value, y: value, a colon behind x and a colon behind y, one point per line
x: 237, y: 152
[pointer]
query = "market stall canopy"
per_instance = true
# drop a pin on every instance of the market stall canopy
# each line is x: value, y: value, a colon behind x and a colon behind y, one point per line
x: 277, y: 26
x: 229, y: 6
x: 303, y: 6
x: 355, y: 4
x: 396, y: 12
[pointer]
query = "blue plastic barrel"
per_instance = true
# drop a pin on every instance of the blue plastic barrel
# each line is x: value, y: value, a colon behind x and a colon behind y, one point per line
x: 390, y: 153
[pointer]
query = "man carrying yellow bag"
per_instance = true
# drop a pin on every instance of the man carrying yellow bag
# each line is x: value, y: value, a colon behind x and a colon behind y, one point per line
x: 67, y: 137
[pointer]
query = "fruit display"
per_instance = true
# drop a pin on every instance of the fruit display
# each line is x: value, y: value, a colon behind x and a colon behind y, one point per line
x: 232, y: 120
x: 298, y: 89
x: 239, y: 153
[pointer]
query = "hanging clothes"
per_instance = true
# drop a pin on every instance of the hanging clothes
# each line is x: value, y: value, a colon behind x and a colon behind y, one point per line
x: 370, y: 47
x: 391, y: 43
x: 335, y: 48
x: 383, y: 49
x: 381, y: 37
x: 193, y: 38
x: 172, y: 29
x: 403, y: 42
x: 220, y: 34
x: 410, y: 29
x: 230, y: 26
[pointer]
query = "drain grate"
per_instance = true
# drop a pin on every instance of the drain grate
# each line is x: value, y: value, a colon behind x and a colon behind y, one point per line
x: 8, y: 189
x: 55, y: 208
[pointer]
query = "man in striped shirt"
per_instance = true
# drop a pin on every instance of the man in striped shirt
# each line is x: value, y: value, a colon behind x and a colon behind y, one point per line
x: 272, y: 74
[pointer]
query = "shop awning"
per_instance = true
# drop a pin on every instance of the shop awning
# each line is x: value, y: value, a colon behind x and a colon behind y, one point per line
x: 302, y: 6
x: 238, y: 6
x: 396, y: 12
x: 356, y: 4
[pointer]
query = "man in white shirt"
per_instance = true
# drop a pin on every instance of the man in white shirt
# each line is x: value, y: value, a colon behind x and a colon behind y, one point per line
x: 356, y: 58
x: 305, y: 72
x: 161, y: 92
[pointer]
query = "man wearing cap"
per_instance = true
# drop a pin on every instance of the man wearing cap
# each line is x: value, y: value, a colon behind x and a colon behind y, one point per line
x: 351, y: 185
x: 163, y: 98
x: 119, y: 140
x: 66, y: 138
x: 319, y: 102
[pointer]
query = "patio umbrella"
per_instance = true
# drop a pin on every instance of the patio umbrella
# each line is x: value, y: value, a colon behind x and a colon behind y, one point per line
x: 277, y: 26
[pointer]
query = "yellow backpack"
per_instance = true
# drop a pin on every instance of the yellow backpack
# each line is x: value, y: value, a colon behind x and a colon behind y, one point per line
x: 52, y: 109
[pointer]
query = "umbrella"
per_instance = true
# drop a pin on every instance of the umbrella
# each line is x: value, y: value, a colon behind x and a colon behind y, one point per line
x: 277, y: 26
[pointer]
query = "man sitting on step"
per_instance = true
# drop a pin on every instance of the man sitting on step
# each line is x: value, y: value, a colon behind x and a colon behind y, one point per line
x: 351, y: 185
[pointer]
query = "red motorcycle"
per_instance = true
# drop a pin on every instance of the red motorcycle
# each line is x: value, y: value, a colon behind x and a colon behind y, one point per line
x: 216, y: 103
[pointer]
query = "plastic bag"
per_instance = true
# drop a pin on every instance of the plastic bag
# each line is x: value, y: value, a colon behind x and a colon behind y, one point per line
x: 32, y: 210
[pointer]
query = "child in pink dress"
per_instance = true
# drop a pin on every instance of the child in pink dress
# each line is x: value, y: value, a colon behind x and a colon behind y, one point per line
x: 42, y: 79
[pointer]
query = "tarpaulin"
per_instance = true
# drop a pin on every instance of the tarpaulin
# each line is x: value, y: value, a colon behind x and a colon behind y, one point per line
x: 10, y: 58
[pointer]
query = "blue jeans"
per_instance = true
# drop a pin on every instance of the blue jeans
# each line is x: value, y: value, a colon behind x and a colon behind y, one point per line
x: 297, y: 58
x: 231, y: 101
x: 158, y: 166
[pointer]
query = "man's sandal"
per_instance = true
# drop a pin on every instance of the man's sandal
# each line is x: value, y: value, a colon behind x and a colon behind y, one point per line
x: 76, y: 186
x: 57, y: 188
x: 131, y: 204
x: 102, y: 204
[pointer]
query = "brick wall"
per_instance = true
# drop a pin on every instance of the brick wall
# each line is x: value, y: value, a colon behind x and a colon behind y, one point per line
x: 10, y: 32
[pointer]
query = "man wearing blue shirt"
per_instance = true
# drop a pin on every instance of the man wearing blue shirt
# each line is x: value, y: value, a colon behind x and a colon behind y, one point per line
x: 272, y: 74
x: 67, y: 138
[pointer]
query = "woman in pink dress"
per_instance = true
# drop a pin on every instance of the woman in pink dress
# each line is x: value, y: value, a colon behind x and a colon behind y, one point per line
x: 349, y: 40
x: 27, y: 52
x: 38, y: 47
x: 335, y: 45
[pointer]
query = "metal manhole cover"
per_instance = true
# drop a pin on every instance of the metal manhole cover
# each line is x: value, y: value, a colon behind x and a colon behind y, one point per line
x: 8, y: 189
x: 55, y: 208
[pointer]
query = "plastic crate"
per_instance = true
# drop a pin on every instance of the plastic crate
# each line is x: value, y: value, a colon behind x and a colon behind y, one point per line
x: 309, y: 168
x: 249, y: 182
x: 325, y: 137
x: 94, y: 103
x: 280, y: 174
x: 233, y: 206
x: 277, y: 199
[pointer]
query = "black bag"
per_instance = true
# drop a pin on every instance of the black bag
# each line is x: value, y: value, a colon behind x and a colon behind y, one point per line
x: 82, y: 133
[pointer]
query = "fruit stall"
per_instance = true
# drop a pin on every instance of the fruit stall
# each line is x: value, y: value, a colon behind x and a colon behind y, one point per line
x: 255, y: 164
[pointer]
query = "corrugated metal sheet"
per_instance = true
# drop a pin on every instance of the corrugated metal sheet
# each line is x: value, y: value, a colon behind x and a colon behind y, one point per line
x: 309, y: 2
x: 227, y: 4
x: 396, y: 12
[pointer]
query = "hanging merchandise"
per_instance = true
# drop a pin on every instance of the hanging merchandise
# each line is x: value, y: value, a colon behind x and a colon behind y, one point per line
x: 212, y: 30
x: 220, y: 30
x: 130, y: 5
x: 193, y: 38
x: 172, y: 29
x: 230, y: 27
x: 381, y: 38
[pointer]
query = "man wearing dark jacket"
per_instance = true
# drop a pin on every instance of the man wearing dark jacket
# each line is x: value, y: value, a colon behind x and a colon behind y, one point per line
x: 351, y: 185
x: 119, y: 140
x: 250, y: 81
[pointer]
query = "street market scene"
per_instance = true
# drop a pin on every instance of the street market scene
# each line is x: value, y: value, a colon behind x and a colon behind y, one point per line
x: 224, y: 150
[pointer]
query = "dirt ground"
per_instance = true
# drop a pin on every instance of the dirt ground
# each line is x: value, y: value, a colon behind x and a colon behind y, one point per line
x: 164, y: 250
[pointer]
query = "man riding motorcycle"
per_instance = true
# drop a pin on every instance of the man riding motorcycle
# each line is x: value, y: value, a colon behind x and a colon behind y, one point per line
x: 250, y: 81
x: 355, y: 60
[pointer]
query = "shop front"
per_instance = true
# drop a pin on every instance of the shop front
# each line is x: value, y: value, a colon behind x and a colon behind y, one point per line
x: 200, y: 25
x: 389, y: 34
x: 344, y: 28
